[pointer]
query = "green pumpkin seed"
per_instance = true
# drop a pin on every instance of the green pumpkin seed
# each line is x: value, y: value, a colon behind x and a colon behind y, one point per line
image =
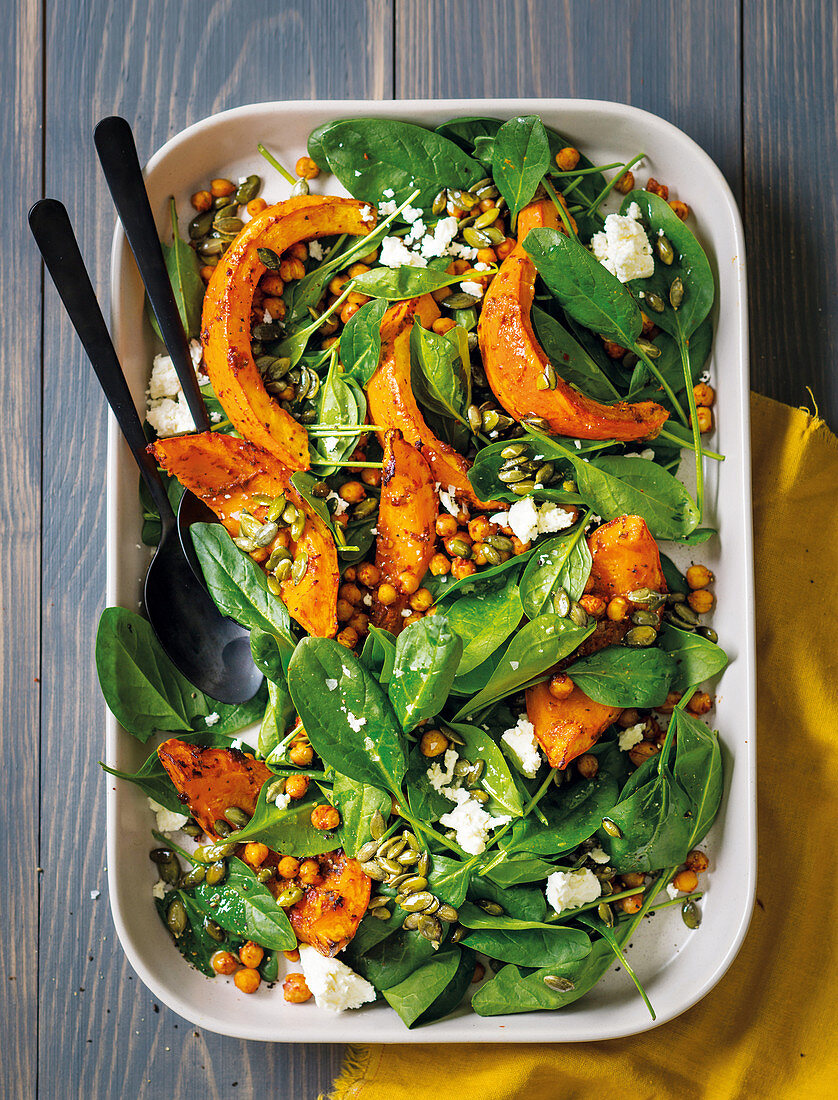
x: 523, y: 488
x: 561, y: 603
x: 381, y: 912
x: 417, y: 902
x: 476, y: 238
x: 211, y: 246
x: 549, y: 376
x: 222, y: 828
x: 170, y: 871
x: 605, y: 914
x: 298, y: 569
x: 494, y: 234
x: 365, y: 508
x: 500, y: 543
x: 545, y: 473
x: 377, y: 825
x: 176, y: 919
x: 515, y: 450
x: 161, y: 855
x: 646, y: 596
x: 389, y: 865
x: 200, y: 225
x: 367, y: 851
x: 475, y: 771
x: 490, y: 907
x: 639, y: 637
x: 283, y: 570
x: 675, y: 597
x: 676, y: 293
x: 475, y: 418
x: 466, y: 200
x: 424, y: 864
x: 490, y: 419
x: 460, y: 300
x: 237, y: 817
x: 578, y: 615
x: 709, y: 633
x: 430, y: 928
x: 274, y: 790
x: 485, y: 189
x: 227, y: 227
x: 267, y: 533
x: 377, y: 900
x: 290, y: 896
x: 557, y: 984
x: 224, y: 200
x: 484, y: 220
x: 513, y: 475
x: 194, y: 877
x: 440, y: 202
x: 265, y: 874
x: 537, y: 422
x: 655, y: 301
x: 278, y: 555
x: 289, y: 513
x: 651, y: 350
x: 644, y: 618
x: 397, y: 881
x: 374, y: 871
x: 392, y: 847
x: 301, y: 187
x: 296, y: 530
x: 691, y: 915
x: 611, y: 828
x: 411, y: 922
x: 248, y: 190
x: 459, y: 548
x: 216, y: 873
x: 214, y: 931
x: 412, y: 884
x: 266, y: 333
x: 479, y: 795
x: 447, y: 913
x: 685, y: 612
x: 664, y: 249
x: 191, y: 828
x: 491, y: 555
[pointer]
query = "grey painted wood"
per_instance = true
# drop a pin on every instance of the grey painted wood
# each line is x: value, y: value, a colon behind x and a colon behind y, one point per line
x: 791, y: 206
x: 163, y: 65
x: 20, y: 552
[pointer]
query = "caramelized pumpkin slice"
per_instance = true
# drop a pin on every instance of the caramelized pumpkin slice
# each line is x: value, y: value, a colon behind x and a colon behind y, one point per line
x: 227, y: 473
x: 226, y: 316
x: 565, y: 728
x: 329, y: 914
x: 514, y: 361
x: 625, y: 557
x: 392, y: 404
x: 406, y: 525
x: 210, y: 780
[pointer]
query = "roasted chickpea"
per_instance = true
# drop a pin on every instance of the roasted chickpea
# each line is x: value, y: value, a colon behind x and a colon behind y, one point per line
x: 206, y: 273
x: 633, y: 879
x: 353, y: 492
x: 272, y: 285
x: 371, y: 477
x: 631, y: 904
x: 618, y: 609
x: 443, y: 324
x: 298, y: 251
x: 421, y: 599
x: 613, y: 350
x: 329, y: 342
x: 561, y: 685
x: 446, y: 525
x: 668, y: 705
x: 503, y: 249
x: 486, y: 256
x: 519, y: 547
x: 360, y: 623
x: 221, y: 188
x: 357, y: 269
x: 648, y: 327
x: 629, y: 717
x: 705, y: 396
x: 697, y: 861
x: 247, y: 980
x: 681, y: 209
x: 296, y: 786
x: 625, y: 183
x: 274, y: 307
x: 704, y: 419
x: 386, y: 595
x: 289, y: 270
x: 479, y: 973
x: 659, y: 189
x: 479, y: 528
x: 201, y: 201
x: 369, y: 575
x: 348, y: 311
x: 443, y: 292
x: 344, y: 610
x: 351, y: 593
x: 292, y: 956
x: 309, y: 874
x: 408, y: 583
x: 251, y: 954
x: 701, y: 601
x: 594, y: 605
x: 337, y: 284
x: 587, y: 765
x: 301, y: 753
x: 295, y: 990
x: 306, y: 169
x: 642, y: 751
x: 685, y: 881
x: 325, y: 817
x: 700, y: 703
x: 255, y: 853
x: 433, y: 743
x: 699, y: 576
x: 462, y: 567
x: 440, y: 565
x: 567, y: 158
x: 223, y: 962
x: 288, y: 867
x: 350, y: 574
x: 256, y: 206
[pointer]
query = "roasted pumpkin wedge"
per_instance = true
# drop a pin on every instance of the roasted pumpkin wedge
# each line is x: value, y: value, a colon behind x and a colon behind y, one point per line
x: 329, y: 914
x: 392, y: 404
x: 227, y: 474
x: 625, y: 558
x: 406, y: 526
x: 225, y: 324
x: 210, y: 780
x: 514, y: 361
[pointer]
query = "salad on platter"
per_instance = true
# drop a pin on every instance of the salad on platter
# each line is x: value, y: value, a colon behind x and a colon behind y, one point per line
x: 450, y: 417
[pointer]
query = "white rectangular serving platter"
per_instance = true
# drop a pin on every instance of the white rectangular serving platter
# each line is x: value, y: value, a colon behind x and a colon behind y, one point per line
x: 678, y: 967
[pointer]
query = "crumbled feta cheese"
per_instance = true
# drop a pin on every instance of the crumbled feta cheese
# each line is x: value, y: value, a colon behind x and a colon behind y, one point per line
x: 315, y: 250
x: 471, y: 823
x: 440, y: 777
x: 469, y: 287
x: 212, y: 718
x: 395, y: 253
x: 461, y: 251
x: 331, y: 684
x: 367, y: 214
x: 94, y: 894
x: 412, y: 213
x: 522, y: 517
x: 167, y: 820
x: 340, y: 504
x: 366, y: 599
x: 438, y: 243
x: 567, y: 889
x: 335, y: 987
x: 416, y: 232
x: 164, y: 380
x: 523, y: 747
x: 552, y: 518
x: 388, y: 192
x: 648, y: 454
x: 281, y: 801
x: 159, y: 889
x: 623, y: 247
x: 196, y: 353
x: 448, y: 500
x: 513, y: 665
x: 216, y: 417
x: 631, y: 737
x: 236, y: 743
x: 387, y: 208
x: 355, y: 722
x: 672, y: 890
x: 598, y: 856
x: 169, y: 417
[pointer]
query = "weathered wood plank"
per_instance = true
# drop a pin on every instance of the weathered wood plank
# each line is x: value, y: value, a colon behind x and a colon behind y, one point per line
x: 20, y: 550
x: 163, y: 65
x: 680, y: 61
x: 791, y: 205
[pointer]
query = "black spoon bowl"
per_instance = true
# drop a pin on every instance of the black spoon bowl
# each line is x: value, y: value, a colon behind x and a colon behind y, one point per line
x: 211, y: 651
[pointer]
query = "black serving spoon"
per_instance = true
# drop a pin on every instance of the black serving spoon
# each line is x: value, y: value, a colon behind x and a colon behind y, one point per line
x: 211, y: 651
x: 120, y: 162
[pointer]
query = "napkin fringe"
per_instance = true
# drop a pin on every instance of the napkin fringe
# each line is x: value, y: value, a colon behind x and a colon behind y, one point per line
x: 356, y: 1061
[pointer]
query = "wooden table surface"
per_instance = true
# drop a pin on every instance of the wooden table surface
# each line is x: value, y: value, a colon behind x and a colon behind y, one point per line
x: 753, y: 81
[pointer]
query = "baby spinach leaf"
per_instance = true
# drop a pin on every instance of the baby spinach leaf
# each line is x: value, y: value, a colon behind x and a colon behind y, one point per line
x: 416, y: 993
x: 496, y: 778
x: 398, y: 283
x: 143, y: 689
x: 516, y: 870
x: 623, y: 677
x: 572, y: 362
x: 585, y: 289
x: 424, y: 800
x: 690, y: 266
x: 562, y: 562
x: 440, y: 371
x: 184, y: 270
x: 532, y: 947
x: 486, y: 578
x: 449, y: 879
x: 617, y: 486
x: 484, y: 621
x: 393, y: 959
x: 338, y: 405
x: 513, y: 990
x: 371, y: 155
x: 453, y: 993
x: 360, y: 341
x: 372, y: 931
x: 196, y: 946
x: 288, y: 830
x: 379, y: 654
x: 357, y: 804
x: 675, y: 579
x: 243, y: 906
x: 575, y: 815
x: 520, y: 158
x: 533, y: 650
x: 238, y: 586
x: 472, y: 682
x: 471, y: 916
x: 277, y: 717
x: 697, y: 659
x: 655, y: 822
x: 350, y: 724
x: 463, y: 131
x: 610, y: 937
x: 698, y: 769
x: 644, y: 387
x: 427, y: 655
x: 522, y: 902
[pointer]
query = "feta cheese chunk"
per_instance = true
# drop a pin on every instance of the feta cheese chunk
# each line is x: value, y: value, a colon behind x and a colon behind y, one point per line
x: 440, y: 777
x: 568, y: 889
x: 598, y: 855
x: 672, y: 890
x: 470, y: 822
x: 158, y: 890
x: 623, y: 247
x: 212, y: 718
x: 164, y: 380
x: 170, y: 417
x: 523, y: 747
x: 167, y: 820
x: 395, y: 253
x: 335, y: 987
x: 470, y: 287
x: 552, y: 518
x: 522, y: 517
x: 631, y: 737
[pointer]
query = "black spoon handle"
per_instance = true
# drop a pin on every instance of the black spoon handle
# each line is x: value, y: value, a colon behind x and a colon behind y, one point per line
x: 54, y: 236
x: 118, y: 155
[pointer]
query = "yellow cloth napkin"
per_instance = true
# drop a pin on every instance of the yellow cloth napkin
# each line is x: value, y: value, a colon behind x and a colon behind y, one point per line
x: 769, y: 1028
